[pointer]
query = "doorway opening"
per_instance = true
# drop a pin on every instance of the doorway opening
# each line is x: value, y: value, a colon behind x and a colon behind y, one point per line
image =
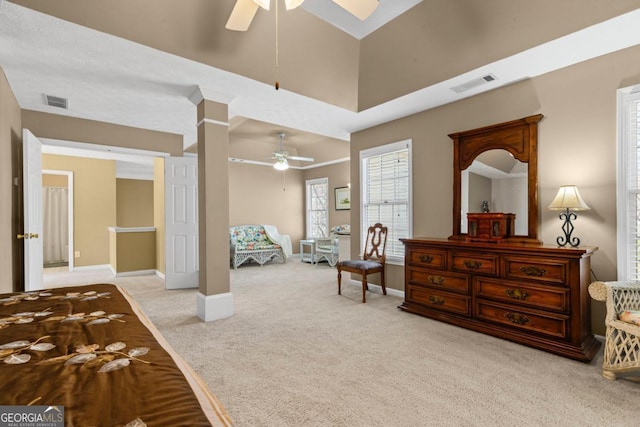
x: 57, y: 217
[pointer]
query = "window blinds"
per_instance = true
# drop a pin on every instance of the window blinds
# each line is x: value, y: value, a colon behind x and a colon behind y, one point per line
x: 628, y: 202
x: 386, y: 193
x: 318, y: 208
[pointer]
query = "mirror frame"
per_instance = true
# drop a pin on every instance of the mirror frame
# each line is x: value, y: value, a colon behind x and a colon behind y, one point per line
x: 518, y: 137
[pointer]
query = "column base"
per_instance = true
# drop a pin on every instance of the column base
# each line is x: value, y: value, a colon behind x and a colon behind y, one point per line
x: 214, y: 307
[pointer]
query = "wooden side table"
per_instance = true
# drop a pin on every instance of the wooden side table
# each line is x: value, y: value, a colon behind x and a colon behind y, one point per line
x: 309, y: 256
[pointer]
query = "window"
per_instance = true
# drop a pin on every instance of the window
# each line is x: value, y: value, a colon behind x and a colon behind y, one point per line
x: 385, y: 179
x: 317, y: 208
x: 628, y: 197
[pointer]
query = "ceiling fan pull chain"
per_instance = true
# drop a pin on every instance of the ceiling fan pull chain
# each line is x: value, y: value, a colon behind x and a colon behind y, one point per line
x: 277, y: 49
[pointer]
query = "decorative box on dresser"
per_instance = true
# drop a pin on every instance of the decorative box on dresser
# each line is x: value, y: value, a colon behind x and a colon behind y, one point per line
x: 530, y: 294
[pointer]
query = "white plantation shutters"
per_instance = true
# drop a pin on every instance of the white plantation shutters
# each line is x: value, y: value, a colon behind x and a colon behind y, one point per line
x: 628, y: 198
x: 386, y: 193
x: 317, y: 208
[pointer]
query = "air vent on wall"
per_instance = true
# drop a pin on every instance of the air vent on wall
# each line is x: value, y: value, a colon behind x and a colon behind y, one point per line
x: 473, y: 83
x: 56, y: 101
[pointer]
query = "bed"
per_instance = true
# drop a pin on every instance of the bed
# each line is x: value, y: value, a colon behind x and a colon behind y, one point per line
x: 91, y: 352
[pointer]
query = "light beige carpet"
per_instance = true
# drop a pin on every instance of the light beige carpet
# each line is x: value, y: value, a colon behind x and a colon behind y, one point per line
x: 297, y: 354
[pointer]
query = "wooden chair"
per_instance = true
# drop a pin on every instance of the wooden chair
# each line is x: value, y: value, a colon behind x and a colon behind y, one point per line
x: 372, y: 261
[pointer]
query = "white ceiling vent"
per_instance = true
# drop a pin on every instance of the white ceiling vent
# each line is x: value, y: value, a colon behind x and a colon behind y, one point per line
x: 56, y: 101
x: 473, y: 83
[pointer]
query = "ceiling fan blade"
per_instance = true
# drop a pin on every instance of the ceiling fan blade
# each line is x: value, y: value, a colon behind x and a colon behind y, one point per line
x: 303, y: 159
x: 361, y: 9
x: 242, y: 15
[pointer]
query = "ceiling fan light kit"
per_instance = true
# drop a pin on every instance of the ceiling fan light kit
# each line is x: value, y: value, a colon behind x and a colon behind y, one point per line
x: 282, y: 156
x: 361, y: 9
x: 281, y: 164
x: 263, y: 3
x: 292, y: 4
x: 244, y: 10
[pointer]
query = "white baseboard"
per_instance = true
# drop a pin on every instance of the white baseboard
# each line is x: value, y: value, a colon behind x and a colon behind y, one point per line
x: 214, y: 307
x: 93, y: 267
x: 160, y: 274
x: 377, y: 288
x: 135, y: 273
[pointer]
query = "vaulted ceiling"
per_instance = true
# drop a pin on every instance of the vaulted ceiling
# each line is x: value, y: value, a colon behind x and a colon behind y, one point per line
x: 137, y: 63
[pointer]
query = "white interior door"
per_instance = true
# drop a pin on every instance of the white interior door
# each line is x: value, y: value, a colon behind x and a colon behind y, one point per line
x: 32, y: 191
x: 181, y: 222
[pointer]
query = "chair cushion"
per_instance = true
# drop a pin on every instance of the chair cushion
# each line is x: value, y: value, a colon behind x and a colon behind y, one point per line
x: 630, y: 316
x: 255, y: 246
x: 360, y: 264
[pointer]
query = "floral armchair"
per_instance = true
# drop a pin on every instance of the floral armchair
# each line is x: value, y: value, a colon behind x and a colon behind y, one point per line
x: 327, y: 248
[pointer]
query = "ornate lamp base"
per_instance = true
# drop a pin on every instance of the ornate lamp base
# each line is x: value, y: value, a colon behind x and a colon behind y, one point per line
x: 567, y: 227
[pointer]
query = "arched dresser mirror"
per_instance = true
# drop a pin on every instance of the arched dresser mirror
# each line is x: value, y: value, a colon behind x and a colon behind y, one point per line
x: 518, y: 138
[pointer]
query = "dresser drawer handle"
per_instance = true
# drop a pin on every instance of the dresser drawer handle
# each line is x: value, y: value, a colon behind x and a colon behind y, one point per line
x: 532, y: 270
x: 516, y: 294
x: 472, y: 264
x: 436, y: 300
x: 426, y: 259
x: 520, y: 319
x: 436, y: 280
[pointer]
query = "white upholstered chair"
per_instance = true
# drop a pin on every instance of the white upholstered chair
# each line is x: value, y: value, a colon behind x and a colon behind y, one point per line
x: 326, y: 249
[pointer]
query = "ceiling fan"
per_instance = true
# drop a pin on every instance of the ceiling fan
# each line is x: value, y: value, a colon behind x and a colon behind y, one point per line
x: 282, y: 157
x: 244, y: 10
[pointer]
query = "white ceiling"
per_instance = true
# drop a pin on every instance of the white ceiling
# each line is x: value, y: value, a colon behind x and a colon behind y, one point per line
x: 146, y: 88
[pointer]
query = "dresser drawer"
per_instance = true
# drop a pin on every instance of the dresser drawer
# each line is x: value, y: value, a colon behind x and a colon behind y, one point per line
x: 444, y: 280
x: 438, y: 300
x: 475, y: 263
x: 540, y: 296
x: 431, y: 258
x: 541, y: 270
x: 555, y: 325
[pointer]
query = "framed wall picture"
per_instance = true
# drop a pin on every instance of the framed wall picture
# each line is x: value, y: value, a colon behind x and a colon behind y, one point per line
x: 343, y: 198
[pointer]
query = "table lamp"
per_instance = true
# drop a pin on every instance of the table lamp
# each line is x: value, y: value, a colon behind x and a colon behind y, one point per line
x: 568, y: 199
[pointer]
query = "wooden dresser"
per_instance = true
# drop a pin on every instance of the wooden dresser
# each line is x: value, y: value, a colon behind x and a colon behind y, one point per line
x: 530, y: 294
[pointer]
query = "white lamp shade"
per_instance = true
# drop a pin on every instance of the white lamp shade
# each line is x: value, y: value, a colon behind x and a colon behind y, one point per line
x: 568, y: 197
x: 281, y: 165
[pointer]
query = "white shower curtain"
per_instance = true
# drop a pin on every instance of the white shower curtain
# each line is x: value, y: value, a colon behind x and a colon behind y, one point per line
x: 55, y: 224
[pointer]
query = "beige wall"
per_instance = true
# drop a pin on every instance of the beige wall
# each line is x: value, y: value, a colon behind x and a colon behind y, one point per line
x: 134, y: 203
x: 259, y: 195
x: 49, y: 180
x: 94, y: 204
x: 10, y: 194
x: 132, y: 251
x: 479, y: 191
x: 577, y: 145
x: 339, y: 176
x: 54, y: 126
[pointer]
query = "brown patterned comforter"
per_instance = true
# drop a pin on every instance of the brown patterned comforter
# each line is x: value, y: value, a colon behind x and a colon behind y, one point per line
x: 92, y: 350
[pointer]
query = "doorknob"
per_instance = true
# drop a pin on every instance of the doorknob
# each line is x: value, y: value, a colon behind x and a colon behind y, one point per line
x: 27, y: 236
